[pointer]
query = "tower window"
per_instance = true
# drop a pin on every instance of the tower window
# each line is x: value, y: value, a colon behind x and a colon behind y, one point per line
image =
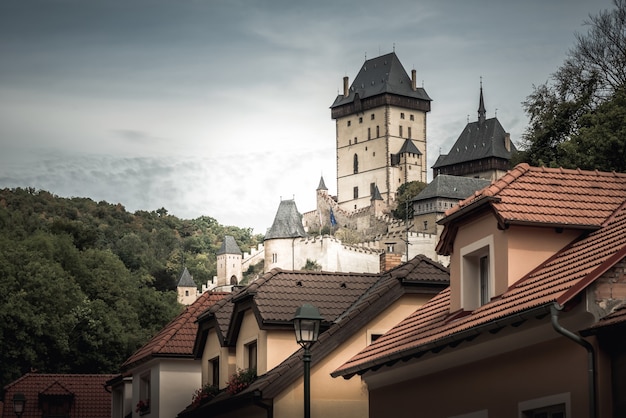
x: 377, y: 131
x: 409, y: 129
x: 349, y: 123
x: 400, y: 132
x: 402, y: 115
x: 372, y: 117
x: 360, y: 119
x: 355, y: 191
x: 356, y: 163
x: 412, y: 117
x: 369, y: 133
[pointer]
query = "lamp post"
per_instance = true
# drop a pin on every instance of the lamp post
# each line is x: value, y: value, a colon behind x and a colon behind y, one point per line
x: 19, y: 402
x: 306, y: 323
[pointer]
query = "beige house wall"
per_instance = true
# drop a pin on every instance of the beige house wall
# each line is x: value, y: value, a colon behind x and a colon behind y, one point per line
x: 517, y: 250
x: 339, y: 398
x: 178, y: 380
x: 213, y: 349
x: 500, y: 385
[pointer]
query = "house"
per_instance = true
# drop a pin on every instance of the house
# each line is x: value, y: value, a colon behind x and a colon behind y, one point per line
x: 483, y: 150
x: 159, y: 378
x: 532, y: 323
x: 254, y: 328
x: 59, y: 395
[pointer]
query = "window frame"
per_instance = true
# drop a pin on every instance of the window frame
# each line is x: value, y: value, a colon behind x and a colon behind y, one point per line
x: 472, y: 277
x: 537, y: 404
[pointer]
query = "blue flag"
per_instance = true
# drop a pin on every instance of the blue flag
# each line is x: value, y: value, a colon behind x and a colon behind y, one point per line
x: 333, y: 221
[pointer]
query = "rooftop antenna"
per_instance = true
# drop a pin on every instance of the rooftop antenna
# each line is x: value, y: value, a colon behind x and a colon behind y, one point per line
x: 394, y: 47
x: 496, y: 113
x: 467, y: 118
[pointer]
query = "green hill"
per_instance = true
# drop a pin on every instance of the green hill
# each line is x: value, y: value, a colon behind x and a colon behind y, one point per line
x: 83, y: 284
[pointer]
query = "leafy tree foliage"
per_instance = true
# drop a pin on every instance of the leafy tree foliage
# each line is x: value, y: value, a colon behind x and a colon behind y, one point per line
x: 576, y: 120
x: 404, y: 196
x: 84, y: 284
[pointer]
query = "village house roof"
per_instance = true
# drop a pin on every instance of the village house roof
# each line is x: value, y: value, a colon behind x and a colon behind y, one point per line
x: 87, y: 392
x: 419, y: 275
x: 287, y: 222
x: 229, y: 246
x: 381, y: 75
x: 526, y: 195
x: 177, y: 338
x: 451, y: 187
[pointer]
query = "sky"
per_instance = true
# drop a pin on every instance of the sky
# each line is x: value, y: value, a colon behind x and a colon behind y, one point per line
x: 222, y: 108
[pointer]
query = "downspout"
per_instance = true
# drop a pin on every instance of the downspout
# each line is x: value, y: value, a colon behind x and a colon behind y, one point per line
x: 591, y: 361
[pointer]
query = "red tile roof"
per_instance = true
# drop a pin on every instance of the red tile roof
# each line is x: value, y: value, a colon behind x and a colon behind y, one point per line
x: 558, y: 280
x: 90, y: 398
x: 544, y: 196
x: 176, y: 338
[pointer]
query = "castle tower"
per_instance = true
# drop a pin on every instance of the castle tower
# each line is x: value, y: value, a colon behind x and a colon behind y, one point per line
x: 483, y: 150
x: 381, y: 132
x: 280, y: 239
x: 187, y: 289
x: 229, y: 258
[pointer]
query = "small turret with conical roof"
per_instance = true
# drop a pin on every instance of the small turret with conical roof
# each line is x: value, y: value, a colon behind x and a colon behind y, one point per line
x: 187, y: 288
x: 229, y: 257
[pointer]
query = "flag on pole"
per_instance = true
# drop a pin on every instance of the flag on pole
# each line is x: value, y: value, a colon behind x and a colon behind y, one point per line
x: 333, y: 221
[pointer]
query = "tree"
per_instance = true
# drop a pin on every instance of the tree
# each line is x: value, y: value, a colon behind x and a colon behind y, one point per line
x: 562, y: 112
x: 404, y: 198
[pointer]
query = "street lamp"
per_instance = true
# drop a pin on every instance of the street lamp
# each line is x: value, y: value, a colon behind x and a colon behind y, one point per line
x: 19, y: 402
x: 306, y: 323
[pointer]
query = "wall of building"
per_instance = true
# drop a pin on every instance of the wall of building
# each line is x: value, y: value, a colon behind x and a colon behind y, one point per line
x: 498, y: 385
x: 179, y: 379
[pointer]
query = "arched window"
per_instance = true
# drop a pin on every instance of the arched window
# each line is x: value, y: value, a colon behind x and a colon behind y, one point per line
x: 356, y: 164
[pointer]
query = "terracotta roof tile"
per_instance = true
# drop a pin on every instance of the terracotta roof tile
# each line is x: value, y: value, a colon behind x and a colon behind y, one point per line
x: 557, y: 280
x: 176, y: 338
x: 90, y: 398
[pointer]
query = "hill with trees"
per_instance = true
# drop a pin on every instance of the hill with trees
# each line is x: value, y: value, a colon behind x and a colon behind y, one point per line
x: 83, y: 284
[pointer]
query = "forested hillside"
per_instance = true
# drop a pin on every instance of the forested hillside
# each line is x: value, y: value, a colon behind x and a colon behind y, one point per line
x: 83, y: 284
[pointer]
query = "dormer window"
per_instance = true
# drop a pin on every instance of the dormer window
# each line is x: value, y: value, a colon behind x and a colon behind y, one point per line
x: 477, y: 274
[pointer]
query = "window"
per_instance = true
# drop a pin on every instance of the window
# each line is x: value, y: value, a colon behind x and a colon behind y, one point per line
x: 214, y: 371
x: 349, y: 123
x: 274, y: 257
x: 425, y: 225
x: 355, y: 191
x: 400, y: 131
x: 377, y: 131
x: 409, y: 130
x: 360, y: 120
x: 372, y: 117
x: 401, y: 115
x: 412, y: 117
x: 55, y: 406
x: 251, y: 354
x: 477, y: 278
x: 374, y: 337
x: 186, y: 292
x: 144, y: 393
x: 355, y: 163
x: 553, y: 406
x: 369, y: 133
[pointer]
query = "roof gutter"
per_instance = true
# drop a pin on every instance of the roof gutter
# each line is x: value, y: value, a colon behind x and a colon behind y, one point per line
x: 555, y: 309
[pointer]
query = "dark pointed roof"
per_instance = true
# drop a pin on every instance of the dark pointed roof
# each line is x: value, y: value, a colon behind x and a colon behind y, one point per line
x: 409, y: 147
x: 451, y: 187
x: 186, y: 279
x: 476, y: 142
x: 229, y: 246
x: 482, y: 112
x: 322, y: 185
x: 287, y: 222
x: 384, y: 74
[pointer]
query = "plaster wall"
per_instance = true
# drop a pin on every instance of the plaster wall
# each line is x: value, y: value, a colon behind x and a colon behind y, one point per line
x: 336, y: 397
x: 179, y: 379
x: 213, y: 349
x: 497, y: 384
x: 249, y: 333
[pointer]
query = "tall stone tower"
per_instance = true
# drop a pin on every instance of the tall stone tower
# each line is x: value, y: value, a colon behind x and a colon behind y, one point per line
x: 381, y: 132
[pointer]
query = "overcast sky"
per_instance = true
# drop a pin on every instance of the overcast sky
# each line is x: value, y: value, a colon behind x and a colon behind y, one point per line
x: 221, y: 108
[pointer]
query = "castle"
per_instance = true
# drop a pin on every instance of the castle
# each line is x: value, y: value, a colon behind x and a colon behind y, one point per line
x: 381, y: 143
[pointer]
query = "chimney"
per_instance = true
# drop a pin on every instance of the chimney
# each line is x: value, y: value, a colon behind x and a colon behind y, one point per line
x: 346, y: 88
x: 414, y: 80
x: 507, y: 142
x: 389, y: 261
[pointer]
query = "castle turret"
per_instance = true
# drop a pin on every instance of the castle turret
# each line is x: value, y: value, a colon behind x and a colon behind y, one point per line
x: 279, y: 240
x: 229, y: 258
x: 187, y: 289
